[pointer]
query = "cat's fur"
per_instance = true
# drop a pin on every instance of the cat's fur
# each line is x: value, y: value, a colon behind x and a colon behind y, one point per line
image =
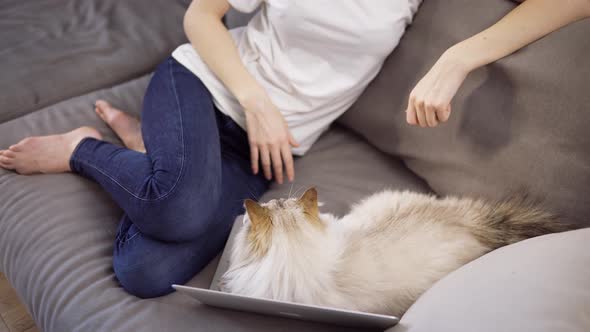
x: 380, y: 257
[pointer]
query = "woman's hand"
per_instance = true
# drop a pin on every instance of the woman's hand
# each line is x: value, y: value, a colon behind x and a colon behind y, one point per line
x: 269, y: 137
x: 430, y: 101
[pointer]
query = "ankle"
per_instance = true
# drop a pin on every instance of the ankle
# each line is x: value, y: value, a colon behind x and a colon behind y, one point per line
x: 76, y: 137
x: 73, y: 145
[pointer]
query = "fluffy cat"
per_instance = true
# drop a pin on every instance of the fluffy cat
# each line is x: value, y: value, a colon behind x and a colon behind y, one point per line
x: 380, y: 257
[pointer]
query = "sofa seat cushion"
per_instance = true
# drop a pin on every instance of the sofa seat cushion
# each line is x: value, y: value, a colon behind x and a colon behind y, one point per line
x: 57, y: 231
x: 55, y: 50
x: 521, y: 122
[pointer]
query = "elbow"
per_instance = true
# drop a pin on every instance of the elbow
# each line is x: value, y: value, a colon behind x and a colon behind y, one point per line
x: 185, y: 21
x: 191, y: 17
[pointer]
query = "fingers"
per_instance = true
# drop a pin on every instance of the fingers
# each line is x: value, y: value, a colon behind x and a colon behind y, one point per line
x: 411, y: 113
x: 254, y: 153
x: 265, y: 160
x: 292, y: 141
x: 430, y: 114
x: 254, y: 157
x: 443, y: 114
x: 273, y: 160
x: 426, y: 114
x: 288, y: 161
x: 277, y: 163
x: 270, y: 147
x: 420, y: 114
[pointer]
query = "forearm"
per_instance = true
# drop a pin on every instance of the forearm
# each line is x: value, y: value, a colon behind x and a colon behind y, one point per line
x: 213, y: 42
x: 527, y: 23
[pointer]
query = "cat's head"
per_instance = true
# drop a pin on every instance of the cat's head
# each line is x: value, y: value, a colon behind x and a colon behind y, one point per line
x: 280, y: 221
x: 277, y: 237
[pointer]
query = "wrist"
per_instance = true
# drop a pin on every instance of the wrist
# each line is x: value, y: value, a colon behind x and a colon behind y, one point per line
x: 250, y: 97
x: 459, y: 59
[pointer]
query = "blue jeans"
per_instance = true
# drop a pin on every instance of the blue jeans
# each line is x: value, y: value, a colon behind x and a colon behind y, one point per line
x: 181, y: 197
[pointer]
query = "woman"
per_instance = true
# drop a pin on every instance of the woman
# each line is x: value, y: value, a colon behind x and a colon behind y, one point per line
x: 232, y: 102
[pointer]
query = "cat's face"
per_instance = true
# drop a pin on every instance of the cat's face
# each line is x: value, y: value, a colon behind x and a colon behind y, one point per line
x: 274, y: 234
x: 281, y: 218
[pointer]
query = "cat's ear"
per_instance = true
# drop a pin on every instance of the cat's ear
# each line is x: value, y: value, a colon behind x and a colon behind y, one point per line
x: 257, y: 213
x: 309, y: 201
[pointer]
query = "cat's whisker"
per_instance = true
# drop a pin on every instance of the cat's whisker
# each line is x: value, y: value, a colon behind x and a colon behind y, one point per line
x: 297, y: 191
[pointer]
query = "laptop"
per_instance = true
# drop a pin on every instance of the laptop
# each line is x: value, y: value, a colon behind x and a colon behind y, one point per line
x: 214, y: 297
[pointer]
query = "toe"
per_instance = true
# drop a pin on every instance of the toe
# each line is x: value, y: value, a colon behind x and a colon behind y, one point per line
x: 102, y: 105
x: 9, y: 154
x: 15, y: 148
x: 106, y: 112
x: 5, y: 161
x: 100, y: 113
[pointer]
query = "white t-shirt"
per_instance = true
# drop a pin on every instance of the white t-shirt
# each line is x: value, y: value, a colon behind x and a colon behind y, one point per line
x: 313, y: 57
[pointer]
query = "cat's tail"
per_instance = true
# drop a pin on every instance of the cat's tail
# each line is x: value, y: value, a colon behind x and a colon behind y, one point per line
x: 514, y: 219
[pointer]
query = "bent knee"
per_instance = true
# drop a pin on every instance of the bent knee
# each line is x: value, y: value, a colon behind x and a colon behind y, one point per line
x: 142, y: 282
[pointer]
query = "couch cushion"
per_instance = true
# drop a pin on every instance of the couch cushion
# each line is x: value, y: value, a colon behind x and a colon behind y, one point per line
x: 521, y: 122
x: 54, y: 50
x: 540, y: 284
x: 57, y: 231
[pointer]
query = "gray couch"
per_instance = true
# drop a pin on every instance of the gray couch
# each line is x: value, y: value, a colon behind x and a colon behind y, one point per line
x: 520, y: 122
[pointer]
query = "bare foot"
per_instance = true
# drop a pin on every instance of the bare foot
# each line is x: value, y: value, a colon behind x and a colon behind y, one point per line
x: 45, y: 154
x: 127, y: 127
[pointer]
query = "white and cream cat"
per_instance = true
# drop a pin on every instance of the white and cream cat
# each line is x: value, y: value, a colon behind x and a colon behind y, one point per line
x: 380, y: 257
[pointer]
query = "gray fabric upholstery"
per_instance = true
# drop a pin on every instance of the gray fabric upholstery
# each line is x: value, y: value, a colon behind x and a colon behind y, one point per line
x: 234, y: 18
x: 540, y: 285
x: 57, y: 231
x: 521, y: 122
x: 52, y: 50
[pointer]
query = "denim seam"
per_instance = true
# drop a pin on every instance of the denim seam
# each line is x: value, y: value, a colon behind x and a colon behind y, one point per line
x: 116, y: 182
x: 183, y: 157
x: 132, y: 236
x: 125, y: 188
x: 182, y: 161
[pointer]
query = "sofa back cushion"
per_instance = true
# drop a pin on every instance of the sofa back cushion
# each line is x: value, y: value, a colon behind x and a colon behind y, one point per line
x: 51, y: 51
x: 523, y: 121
